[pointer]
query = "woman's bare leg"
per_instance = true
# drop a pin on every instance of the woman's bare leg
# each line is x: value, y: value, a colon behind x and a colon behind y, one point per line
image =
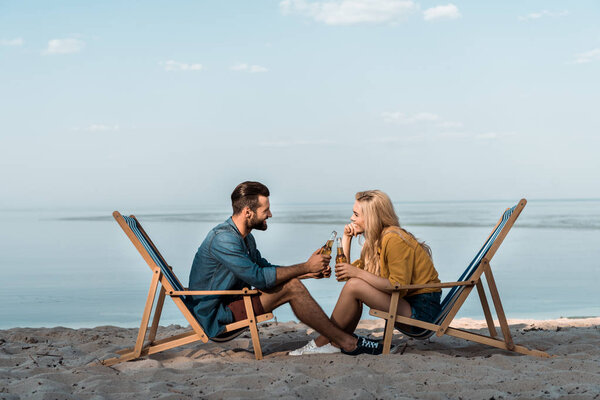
x: 348, y: 308
x: 307, y: 310
x: 345, y: 315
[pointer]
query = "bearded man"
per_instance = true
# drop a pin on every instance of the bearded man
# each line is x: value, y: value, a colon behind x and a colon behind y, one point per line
x: 229, y: 260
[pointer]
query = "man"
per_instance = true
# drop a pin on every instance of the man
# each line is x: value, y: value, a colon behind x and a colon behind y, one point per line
x: 229, y: 260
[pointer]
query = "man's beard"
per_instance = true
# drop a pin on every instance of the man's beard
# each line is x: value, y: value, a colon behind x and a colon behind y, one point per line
x: 255, y: 223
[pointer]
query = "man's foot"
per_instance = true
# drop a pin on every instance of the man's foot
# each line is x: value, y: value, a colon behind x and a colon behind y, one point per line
x: 365, y: 346
x: 311, y: 348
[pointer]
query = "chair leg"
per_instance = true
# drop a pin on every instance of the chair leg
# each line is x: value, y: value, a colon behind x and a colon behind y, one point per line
x: 498, y: 306
x: 253, y: 329
x: 157, y: 313
x: 486, y: 309
x: 474, y: 337
x: 459, y: 302
x: 389, y: 323
x: 161, y: 345
x: 139, y: 343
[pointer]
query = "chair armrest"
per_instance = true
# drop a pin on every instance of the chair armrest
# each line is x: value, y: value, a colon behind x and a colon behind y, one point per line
x: 210, y: 292
x: 434, y: 285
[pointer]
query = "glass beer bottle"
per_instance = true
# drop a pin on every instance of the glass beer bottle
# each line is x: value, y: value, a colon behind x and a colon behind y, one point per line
x: 326, y: 249
x: 340, y: 258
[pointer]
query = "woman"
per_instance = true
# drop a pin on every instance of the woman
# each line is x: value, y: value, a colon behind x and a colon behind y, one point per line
x: 390, y: 256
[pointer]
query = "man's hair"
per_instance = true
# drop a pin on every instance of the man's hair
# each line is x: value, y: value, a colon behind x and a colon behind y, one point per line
x: 246, y: 195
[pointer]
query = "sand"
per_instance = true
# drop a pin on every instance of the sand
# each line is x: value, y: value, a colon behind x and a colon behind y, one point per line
x: 54, y: 363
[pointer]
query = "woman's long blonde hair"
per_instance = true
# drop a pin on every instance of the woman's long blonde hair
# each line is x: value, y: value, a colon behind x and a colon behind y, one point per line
x: 380, y: 218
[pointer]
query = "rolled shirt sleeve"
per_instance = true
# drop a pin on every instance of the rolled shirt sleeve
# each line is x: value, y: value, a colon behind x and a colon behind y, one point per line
x: 246, y: 264
x: 262, y: 262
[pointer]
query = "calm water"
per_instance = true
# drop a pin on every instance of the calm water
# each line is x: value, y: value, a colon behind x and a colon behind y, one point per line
x: 78, y: 269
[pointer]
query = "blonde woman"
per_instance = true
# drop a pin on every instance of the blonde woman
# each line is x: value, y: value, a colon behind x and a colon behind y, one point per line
x: 390, y: 256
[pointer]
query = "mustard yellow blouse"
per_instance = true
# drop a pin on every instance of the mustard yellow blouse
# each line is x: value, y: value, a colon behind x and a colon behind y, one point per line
x: 404, y: 262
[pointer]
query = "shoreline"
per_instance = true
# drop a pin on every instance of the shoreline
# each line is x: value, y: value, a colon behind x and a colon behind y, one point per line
x: 458, y: 322
x: 54, y: 363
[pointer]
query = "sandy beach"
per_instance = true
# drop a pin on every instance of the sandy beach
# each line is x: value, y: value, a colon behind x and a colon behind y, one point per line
x: 54, y: 363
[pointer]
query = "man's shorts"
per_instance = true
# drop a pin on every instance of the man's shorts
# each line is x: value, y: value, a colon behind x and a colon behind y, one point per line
x: 238, y: 309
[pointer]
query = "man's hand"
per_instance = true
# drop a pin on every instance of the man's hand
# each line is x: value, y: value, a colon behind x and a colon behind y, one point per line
x: 318, y: 266
x: 326, y: 273
x: 318, y: 262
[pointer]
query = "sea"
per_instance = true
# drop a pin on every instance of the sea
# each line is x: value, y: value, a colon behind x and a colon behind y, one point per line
x: 76, y: 268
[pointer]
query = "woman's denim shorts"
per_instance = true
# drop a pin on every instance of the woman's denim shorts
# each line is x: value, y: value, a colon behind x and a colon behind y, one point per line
x: 425, y: 307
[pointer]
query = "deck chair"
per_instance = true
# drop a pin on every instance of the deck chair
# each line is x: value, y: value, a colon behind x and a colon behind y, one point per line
x: 459, y: 291
x: 163, y: 275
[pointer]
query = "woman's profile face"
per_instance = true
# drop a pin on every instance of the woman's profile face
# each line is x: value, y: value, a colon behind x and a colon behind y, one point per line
x: 357, y: 217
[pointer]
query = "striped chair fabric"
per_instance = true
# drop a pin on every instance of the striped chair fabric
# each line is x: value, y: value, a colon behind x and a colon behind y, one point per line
x: 456, y: 291
x: 165, y: 269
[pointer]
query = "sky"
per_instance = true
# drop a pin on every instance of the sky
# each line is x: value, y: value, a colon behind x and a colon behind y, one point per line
x: 166, y: 104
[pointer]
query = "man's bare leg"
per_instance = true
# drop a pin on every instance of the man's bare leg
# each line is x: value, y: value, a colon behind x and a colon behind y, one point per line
x: 307, y: 310
x: 348, y: 308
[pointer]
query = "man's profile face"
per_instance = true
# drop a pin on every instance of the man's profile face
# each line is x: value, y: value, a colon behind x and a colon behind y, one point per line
x: 258, y: 219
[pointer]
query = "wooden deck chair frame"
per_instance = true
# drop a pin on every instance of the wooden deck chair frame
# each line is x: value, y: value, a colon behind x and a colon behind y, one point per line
x: 443, y: 327
x: 150, y: 345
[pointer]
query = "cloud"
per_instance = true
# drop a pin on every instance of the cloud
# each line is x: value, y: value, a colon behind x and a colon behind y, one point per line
x: 493, y: 135
x: 449, y: 11
x: 102, y: 128
x: 178, y: 66
x: 98, y: 128
x: 248, y: 68
x: 461, y: 135
x: 293, y: 143
x: 420, y: 118
x: 64, y: 46
x: 349, y: 12
x: 543, y: 13
x: 402, y: 118
x: 450, y: 124
x: 587, y: 56
x: 394, y: 139
x: 454, y: 135
x: 12, y: 42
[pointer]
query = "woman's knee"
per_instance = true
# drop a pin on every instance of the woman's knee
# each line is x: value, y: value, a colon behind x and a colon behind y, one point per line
x: 354, y: 283
x: 353, y: 286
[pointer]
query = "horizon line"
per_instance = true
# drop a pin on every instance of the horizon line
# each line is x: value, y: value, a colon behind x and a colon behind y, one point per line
x: 99, y: 208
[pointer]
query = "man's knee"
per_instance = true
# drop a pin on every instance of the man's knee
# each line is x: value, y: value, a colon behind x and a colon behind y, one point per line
x: 283, y: 293
x: 295, y: 286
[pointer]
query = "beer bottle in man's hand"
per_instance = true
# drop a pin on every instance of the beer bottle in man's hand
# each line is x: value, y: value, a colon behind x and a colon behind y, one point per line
x: 326, y: 249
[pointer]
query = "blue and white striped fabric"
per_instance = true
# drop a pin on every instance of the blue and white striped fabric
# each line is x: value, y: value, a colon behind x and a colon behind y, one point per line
x: 163, y: 267
x: 450, y: 299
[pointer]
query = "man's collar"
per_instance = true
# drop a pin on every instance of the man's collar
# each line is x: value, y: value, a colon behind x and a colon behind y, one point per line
x: 230, y: 222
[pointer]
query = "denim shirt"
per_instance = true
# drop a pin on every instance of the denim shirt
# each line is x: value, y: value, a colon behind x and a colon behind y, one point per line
x: 225, y: 261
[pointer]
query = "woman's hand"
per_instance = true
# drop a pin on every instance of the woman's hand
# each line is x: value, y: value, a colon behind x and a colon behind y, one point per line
x: 352, y: 230
x: 345, y: 271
